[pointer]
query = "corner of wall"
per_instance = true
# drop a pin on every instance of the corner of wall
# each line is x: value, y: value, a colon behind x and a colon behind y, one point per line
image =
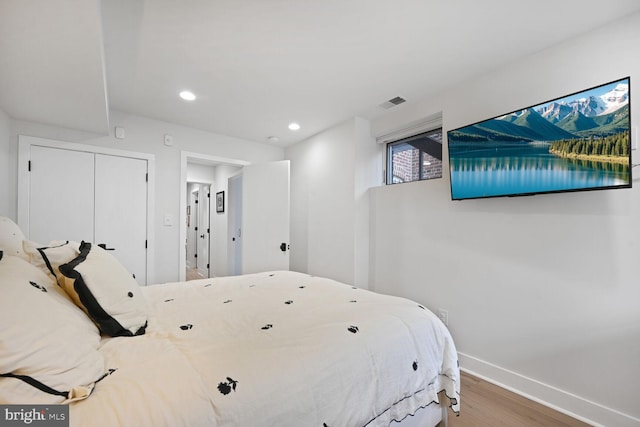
x: 8, y: 196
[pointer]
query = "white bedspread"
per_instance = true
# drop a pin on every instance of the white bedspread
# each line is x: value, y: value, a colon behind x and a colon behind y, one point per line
x: 273, y: 349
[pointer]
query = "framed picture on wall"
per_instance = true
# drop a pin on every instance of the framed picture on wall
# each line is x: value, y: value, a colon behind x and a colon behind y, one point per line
x: 220, y: 201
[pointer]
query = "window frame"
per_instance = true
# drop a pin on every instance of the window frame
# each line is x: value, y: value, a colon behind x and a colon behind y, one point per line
x: 389, y: 176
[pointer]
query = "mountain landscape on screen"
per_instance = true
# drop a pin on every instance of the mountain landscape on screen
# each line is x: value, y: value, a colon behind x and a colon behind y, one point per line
x: 577, y: 142
x: 603, y: 115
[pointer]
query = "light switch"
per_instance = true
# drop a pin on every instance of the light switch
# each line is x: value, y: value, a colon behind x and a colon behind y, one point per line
x: 168, y: 220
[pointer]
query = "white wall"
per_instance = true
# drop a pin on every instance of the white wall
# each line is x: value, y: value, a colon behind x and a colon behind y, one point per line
x: 330, y: 173
x: 543, y: 292
x: 7, y: 197
x: 201, y: 173
x: 368, y: 174
x: 146, y: 135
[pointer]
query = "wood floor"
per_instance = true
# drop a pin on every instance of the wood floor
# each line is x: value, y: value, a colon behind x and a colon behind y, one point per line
x: 192, y: 274
x: 485, y: 404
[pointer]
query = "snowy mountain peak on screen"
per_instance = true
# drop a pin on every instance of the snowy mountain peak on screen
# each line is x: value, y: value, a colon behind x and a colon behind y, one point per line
x: 590, y: 106
x: 616, y: 98
x: 556, y: 111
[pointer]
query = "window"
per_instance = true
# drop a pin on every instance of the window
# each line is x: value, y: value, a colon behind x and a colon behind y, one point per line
x: 415, y: 158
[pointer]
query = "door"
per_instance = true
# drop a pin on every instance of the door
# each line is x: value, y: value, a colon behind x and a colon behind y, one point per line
x: 204, y: 229
x: 192, y: 223
x: 265, y: 217
x: 121, y: 210
x: 99, y: 198
x: 234, y: 225
x: 60, y: 195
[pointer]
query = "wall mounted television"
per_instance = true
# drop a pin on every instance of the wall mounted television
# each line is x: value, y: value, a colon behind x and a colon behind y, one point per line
x: 577, y: 142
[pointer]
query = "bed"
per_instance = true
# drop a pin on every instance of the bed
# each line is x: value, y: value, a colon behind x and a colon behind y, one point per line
x: 274, y: 348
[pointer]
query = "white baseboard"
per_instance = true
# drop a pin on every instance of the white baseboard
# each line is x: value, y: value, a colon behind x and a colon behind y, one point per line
x: 552, y: 397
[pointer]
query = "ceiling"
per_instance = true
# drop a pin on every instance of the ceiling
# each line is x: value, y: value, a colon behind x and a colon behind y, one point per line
x: 257, y: 65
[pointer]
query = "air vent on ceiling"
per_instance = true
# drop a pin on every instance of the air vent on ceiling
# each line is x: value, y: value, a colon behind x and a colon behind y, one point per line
x: 393, y: 102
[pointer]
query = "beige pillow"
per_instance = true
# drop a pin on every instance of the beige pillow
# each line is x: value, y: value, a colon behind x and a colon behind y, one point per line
x: 106, y: 291
x: 49, y: 258
x: 48, y: 347
x: 11, y: 238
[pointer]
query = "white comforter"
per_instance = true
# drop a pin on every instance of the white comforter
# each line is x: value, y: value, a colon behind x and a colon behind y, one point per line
x: 273, y: 349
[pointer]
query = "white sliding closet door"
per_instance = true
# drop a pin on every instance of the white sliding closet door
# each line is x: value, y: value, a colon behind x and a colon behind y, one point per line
x: 121, y: 210
x: 60, y: 195
x: 81, y: 195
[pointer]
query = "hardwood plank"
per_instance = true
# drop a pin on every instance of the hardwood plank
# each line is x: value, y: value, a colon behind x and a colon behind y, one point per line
x: 485, y: 404
x: 192, y: 274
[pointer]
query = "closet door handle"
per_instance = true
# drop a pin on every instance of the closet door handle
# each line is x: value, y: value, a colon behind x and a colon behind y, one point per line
x: 104, y: 246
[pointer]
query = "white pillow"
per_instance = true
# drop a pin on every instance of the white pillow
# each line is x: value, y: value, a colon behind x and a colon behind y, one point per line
x: 49, y: 258
x: 106, y: 291
x: 48, y: 347
x: 11, y: 238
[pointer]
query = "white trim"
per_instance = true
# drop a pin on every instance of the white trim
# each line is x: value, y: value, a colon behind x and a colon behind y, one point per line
x: 424, y: 124
x: 185, y: 156
x: 24, y: 148
x: 562, y: 401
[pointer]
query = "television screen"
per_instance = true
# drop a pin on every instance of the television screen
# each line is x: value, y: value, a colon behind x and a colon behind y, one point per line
x: 573, y: 143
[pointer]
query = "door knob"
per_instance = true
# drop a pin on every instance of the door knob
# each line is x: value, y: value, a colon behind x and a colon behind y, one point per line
x: 284, y: 247
x: 202, y: 236
x: 104, y: 246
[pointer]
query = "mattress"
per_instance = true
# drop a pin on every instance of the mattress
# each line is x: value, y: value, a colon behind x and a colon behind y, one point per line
x: 276, y: 348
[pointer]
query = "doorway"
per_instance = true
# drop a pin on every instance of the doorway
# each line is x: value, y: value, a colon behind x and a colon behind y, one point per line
x: 198, y: 243
x: 264, y: 217
x: 215, y: 171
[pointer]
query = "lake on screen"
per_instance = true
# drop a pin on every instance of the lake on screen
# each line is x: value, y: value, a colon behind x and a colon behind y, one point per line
x: 503, y: 170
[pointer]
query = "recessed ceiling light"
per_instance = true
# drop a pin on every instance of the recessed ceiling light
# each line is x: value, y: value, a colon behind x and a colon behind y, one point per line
x: 294, y: 126
x: 187, y: 96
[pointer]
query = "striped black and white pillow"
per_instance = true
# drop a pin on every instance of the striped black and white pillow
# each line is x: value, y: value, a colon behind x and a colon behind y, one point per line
x: 50, y: 257
x: 106, y: 291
